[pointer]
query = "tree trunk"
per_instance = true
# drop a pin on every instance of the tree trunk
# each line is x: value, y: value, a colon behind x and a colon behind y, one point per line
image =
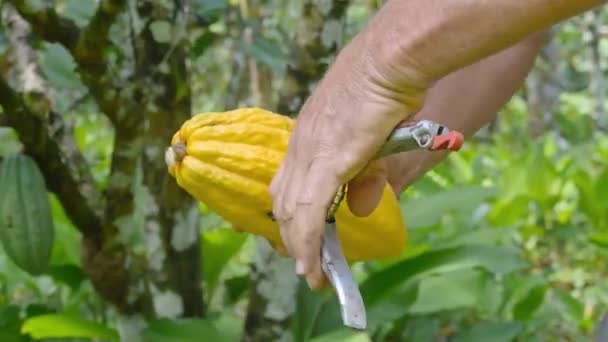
x: 274, y: 283
x: 598, y: 88
x: 543, y: 88
x: 140, y: 198
x: 319, y: 37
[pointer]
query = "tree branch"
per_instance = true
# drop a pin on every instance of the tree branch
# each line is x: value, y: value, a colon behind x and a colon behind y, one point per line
x: 47, y: 24
x: 53, y: 147
x: 45, y: 136
x: 87, y: 46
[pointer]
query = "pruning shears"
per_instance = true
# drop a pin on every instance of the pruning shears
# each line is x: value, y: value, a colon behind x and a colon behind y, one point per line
x: 407, y: 136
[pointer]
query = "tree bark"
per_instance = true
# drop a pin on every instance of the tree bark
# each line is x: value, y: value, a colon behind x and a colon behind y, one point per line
x: 543, y: 88
x: 597, y: 86
x: 146, y: 107
x: 319, y: 37
x: 273, y: 288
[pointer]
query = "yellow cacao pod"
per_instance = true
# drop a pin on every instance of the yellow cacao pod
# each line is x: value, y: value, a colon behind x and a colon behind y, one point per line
x: 228, y: 159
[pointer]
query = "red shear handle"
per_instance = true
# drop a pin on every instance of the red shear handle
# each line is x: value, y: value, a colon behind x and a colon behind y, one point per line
x: 452, y: 141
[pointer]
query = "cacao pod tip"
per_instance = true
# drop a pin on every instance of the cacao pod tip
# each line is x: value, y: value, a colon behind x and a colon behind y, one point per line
x: 175, y: 154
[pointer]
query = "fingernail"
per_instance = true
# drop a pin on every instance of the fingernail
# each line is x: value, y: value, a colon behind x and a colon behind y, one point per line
x: 299, y: 267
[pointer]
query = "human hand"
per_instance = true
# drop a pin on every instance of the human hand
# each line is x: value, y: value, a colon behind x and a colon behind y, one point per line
x: 339, y: 129
x: 379, y: 79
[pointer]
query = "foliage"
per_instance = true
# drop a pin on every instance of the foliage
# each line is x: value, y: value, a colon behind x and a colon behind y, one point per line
x: 508, y: 237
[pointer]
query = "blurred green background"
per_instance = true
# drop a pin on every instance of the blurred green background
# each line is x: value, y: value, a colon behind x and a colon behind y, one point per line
x: 507, y: 237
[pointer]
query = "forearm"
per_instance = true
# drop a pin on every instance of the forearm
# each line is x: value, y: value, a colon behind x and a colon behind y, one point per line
x: 467, y: 100
x: 427, y: 39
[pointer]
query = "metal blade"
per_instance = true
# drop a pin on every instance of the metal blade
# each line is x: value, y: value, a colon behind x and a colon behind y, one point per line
x: 336, y: 268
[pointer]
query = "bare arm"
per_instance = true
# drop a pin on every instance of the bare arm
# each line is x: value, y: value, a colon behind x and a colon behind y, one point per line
x: 466, y: 100
x: 424, y: 40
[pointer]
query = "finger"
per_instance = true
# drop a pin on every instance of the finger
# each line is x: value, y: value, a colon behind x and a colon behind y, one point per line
x: 281, y: 207
x: 295, y: 184
x: 317, y: 282
x: 309, y: 219
x: 276, y: 192
x: 365, y: 190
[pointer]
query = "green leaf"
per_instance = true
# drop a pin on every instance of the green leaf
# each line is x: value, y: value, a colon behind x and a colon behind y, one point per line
x: 66, y: 248
x: 308, y: 307
x: 10, y: 143
x: 204, y: 42
x: 491, y: 331
x: 68, y: 274
x: 393, y: 305
x: 161, y: 31
x: 61, y: 326
x: 267, y: 52
x: 218, y: 247
x: 209, y: 10
x: 59, y: 66
x: 236, y: 287
x: 518, y: 287
x: 492, y: 258
x: 428, y: 210
x: 525, y: 309
x: 80, y: 11
x: 11, y: 336
x: 343, y: 335
x: 448, y: 291
x: 217, y: 328
x: 9, y: 325
x: 9, y: 315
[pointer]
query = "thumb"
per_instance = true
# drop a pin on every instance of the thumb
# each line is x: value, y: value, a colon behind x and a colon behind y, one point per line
x: 366, y: 189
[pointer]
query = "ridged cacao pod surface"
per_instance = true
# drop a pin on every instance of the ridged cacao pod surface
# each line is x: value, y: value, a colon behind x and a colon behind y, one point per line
x: 228, y: 159
x: 27, y: 231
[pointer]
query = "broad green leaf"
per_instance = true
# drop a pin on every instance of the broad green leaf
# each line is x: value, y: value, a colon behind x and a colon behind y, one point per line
x: 217, y: 248
x: 68, y: 274
x: 267, y: 52
x: 9, y: 315
x: 308, y: 306
x: 428, y: 210
x: 11, y: 336
x: 525, y: 309
x: 393, y: 305
x: 66, y: 248
x: 236, y: 287
x: 492, y: 258
x: 343, y: 335
x: 422, y: 329
x: 225, y: 327
x: 60, y: 325
x: 209, y: 10
x: 10, y: 143
x: 229, y: 324
x: 9, y: 325
x: 517, y: 288
x: 59, y: 66
x: 491, y: 331
x: 203, y: 43
x: 449, y: 291
x: 570, y: 308
x: 80, y: 11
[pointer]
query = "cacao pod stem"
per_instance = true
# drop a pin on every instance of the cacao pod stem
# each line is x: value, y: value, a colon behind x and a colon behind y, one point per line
x: 175, y: 153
